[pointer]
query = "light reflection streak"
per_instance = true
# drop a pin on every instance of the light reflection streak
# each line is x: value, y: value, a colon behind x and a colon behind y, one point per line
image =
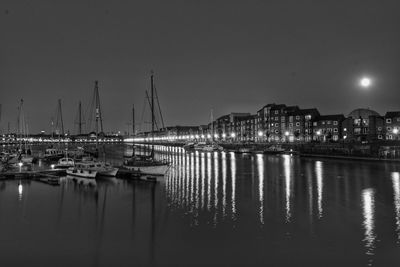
x: 287, y: 173
x: 233, y: 174
x: 203, y: 177
x: 208, y: 181
x: 191, y: 179
x: 223, y: 184
x: 197, y: 179
x: 216, y: 169
x: 310, y: 191
x: 187, y: 174
x: 318, y: 171
x: 368, y: 205
x: 260, y: 168
x: 396, y: 195
x: 20, y: 191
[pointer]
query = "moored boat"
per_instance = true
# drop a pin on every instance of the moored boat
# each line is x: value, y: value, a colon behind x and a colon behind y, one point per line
x: 83, y: 169
x: 64, y: 163
x: 274, y: 149
x: 146, y: 165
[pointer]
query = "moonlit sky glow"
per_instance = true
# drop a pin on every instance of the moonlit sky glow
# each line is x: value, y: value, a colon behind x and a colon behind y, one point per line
x: 232, y: 56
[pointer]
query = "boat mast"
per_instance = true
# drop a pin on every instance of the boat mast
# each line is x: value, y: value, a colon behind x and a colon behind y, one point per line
x: 60, y: 118
x: 152, y: 113
x: 212, y: 125
x: 80, y: 118
x: 96, y: 92
x: 133, y: 120
x: 19, y: 123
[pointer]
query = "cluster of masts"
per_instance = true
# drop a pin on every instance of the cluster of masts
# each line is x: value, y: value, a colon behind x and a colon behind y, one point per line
x: 94, y: 122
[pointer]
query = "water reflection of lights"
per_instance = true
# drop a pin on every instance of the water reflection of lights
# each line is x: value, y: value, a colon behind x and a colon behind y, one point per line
x: 197, y: 180
x: 233, y: 174
x: 318, y: 171
x: 208, y: 181
x: 203, y: 175
x: 288, y: 178
x: 396, y: 195
x: 368, y: 205
x: 223, y: 184
x: 20, y: 190
x: 260, y: 167
x: 216, y: 177
x: 191, y: 179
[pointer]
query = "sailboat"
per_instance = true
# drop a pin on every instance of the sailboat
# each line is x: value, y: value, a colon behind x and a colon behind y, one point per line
x: 212, y: 146
x: 93, y: 168
x: 24, y: 152
x: 147, y: 164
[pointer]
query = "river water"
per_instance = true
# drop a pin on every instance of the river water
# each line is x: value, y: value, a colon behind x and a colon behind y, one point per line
x: 211, y: 209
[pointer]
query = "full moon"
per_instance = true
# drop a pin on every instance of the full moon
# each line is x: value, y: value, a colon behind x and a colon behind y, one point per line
x: 365, y: 82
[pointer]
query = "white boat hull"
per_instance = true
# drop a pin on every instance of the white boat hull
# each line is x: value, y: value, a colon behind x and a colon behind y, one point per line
x: 159, y: 170
x: 111, y: 172
x: 82, y: 173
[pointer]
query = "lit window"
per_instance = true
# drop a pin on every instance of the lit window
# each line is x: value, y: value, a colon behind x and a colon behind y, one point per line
x: 388, y: 120
x: 328, y: 122
x: 389, y: 128
x: 276, y: 112
x: 276, y: 125
x: 335, y: 130
x: 297, y: 117
x: 315, y: 123
x: 297, y: 123
x: 335, y: 122
x: 379, y: 136
x: 379, y: 128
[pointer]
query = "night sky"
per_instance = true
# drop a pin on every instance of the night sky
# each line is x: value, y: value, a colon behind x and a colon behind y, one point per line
x: 232, y: 56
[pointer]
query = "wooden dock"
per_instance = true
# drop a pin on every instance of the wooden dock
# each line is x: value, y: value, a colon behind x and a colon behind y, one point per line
x: 33, y: 174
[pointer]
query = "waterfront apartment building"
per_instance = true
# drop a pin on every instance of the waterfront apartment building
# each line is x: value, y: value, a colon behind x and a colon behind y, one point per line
x: 392, y: 125
x: 328, y: 128
x: 363, y: 125
x: 278, y: 123
x: 281, y: 123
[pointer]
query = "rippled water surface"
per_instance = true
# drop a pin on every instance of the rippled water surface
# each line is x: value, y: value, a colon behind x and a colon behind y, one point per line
x: 212, y: 208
